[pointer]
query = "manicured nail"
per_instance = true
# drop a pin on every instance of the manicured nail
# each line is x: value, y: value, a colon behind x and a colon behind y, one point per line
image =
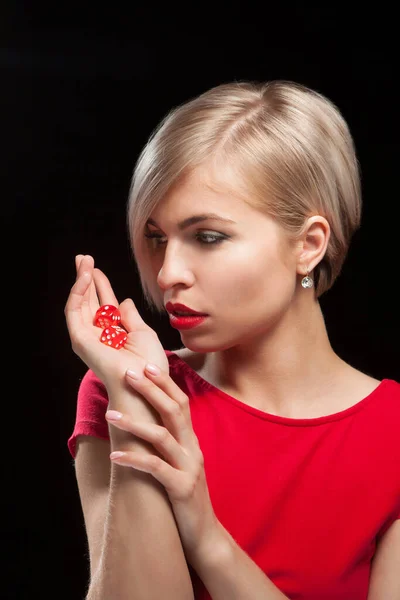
x: 117, y: 454
x: 153, y: 369
x: 132, y: 374
x: 113, y: 415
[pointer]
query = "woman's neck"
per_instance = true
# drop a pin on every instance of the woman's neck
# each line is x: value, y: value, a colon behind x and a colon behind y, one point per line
x: 282, y: 371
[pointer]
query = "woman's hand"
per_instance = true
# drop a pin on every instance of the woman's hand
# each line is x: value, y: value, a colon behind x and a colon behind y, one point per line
x: 178, y: 462
x: 91, y: 290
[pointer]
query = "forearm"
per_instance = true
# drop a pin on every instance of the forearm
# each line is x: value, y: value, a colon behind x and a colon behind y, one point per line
x: 142, y: 555
x: 228, y: 572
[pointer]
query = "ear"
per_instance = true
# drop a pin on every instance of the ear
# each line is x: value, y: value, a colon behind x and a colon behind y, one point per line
x: 312, y: 244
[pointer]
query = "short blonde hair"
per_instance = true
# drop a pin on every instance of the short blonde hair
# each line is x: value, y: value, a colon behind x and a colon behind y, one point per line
x: 289, y: 147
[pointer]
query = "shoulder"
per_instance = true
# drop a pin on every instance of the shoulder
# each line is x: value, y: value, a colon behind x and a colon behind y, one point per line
x: 195, y: 360
x: 392, y: 390
x: 91, y: 384
x: 355, y: 385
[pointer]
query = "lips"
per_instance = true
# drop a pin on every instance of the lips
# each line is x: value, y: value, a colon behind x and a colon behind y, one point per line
x: 174, y: 307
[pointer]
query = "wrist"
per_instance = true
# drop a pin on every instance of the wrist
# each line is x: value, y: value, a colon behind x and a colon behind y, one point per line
x: 133, y: 404
x: 128, y: 442
x: 128, y: 401
x: 215, y: 548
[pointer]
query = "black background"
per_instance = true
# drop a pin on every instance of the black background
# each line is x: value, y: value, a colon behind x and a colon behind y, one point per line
x: 82, y: 87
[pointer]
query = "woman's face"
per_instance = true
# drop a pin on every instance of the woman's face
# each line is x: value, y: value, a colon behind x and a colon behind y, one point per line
x: 240, y: 273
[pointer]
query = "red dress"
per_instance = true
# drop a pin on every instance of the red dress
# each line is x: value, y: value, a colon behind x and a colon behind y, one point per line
x: 307, y: 499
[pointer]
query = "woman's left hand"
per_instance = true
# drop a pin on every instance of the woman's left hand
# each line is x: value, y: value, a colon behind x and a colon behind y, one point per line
x: 179, y: 465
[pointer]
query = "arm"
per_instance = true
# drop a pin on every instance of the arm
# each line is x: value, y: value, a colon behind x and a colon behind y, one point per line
x: 385, y: 575
x: 134, y: 546
x: 228, y: 572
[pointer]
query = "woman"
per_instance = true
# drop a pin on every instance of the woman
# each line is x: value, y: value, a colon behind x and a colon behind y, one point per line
x: 258, y: 464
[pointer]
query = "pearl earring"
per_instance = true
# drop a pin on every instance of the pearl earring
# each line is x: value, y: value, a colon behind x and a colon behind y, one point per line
x: 307, y: 281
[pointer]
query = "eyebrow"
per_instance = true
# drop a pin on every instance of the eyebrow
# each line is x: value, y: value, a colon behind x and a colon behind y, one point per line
x: 195, y: 219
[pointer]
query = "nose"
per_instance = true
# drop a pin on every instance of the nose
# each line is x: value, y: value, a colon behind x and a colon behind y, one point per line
x: 174, y: 271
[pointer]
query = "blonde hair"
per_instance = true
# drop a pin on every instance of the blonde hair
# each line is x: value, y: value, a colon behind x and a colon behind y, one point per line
x: 288, y: 145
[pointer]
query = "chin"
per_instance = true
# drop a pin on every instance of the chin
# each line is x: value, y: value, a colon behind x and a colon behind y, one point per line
x: 206, y: 347
x: 199, y: 348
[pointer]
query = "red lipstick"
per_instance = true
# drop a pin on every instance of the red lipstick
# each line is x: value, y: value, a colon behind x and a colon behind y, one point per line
x: 181, y: 308
x: 192, y: 319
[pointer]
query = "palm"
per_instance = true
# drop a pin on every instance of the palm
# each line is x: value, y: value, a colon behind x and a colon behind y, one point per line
x: 86, y: 295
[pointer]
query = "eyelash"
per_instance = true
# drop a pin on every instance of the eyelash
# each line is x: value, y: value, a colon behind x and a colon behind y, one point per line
x: 216, y: 239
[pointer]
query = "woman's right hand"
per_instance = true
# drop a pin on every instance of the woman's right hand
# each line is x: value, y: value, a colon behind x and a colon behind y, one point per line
x: 91, y: 290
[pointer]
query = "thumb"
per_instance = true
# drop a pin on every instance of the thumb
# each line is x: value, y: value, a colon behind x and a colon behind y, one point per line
x: 131, y: 318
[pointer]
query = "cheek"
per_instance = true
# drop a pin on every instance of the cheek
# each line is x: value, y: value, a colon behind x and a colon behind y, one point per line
x: 252, y: 280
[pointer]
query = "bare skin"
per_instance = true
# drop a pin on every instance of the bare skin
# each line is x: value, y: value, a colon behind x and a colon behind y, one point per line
x: 265, y: 340
x: 360, y: 384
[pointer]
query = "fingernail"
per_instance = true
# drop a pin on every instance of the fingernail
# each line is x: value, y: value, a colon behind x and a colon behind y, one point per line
x: 117, y: 454
x: 113, y: 415
x: 153, y: 369
x: 132, y: 374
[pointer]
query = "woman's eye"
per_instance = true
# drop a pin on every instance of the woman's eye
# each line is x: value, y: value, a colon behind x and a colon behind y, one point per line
x: 204, y: 238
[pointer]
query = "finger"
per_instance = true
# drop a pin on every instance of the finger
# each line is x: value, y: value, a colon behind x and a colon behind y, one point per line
x: 91, y: 295
x: 104, y: 290
x: 75, y: 312
x: 172, y: 407
x: 130, y: 317
x: 156, y: 435
x: 172, y: 479
x: 78, y: 260
x: 88, y: 310
x: 164, y: 382
x: 93, y: 299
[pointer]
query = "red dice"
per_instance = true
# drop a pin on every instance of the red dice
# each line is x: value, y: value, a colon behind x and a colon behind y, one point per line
x: 107, y: 315
x: 114, y: 336
x: 108, y: 318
